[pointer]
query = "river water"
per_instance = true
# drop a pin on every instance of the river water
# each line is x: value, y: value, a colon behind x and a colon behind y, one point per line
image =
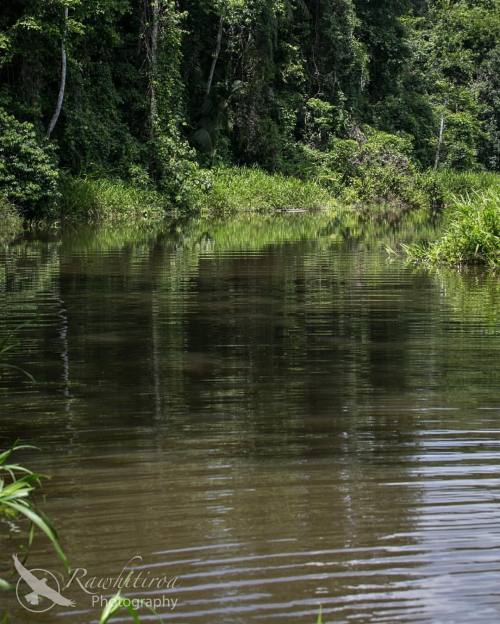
x: 270, y: 413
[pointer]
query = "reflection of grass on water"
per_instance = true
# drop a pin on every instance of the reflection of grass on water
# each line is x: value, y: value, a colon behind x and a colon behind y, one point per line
x: 256, y: 232
x: 109, y: 238
x: 472, y: 295
x: 251, y: 232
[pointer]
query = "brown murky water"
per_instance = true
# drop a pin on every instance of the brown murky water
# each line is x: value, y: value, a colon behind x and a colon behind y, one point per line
x: 278, y: 419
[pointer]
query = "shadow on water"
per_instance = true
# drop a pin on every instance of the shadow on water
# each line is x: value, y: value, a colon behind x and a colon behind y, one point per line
x: 267, y: 409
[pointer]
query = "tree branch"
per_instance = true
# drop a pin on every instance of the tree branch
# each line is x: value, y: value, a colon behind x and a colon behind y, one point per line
x: 62, y: 85
x: 216, y: 57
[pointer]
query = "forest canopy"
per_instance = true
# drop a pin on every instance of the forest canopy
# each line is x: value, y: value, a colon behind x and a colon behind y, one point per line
x: 153, y: 91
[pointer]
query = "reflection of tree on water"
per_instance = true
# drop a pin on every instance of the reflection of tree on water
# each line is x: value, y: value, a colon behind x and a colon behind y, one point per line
x: 245, y: 396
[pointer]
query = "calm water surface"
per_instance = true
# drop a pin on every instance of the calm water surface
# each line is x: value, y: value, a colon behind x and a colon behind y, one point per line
x: 276, y: 416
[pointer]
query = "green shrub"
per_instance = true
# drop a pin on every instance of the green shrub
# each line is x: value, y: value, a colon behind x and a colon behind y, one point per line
x: 432, y: 185
x: 175, y: 171
x: 382, y: 148
x: 28, y: 175
x: 252, y: 190
x: 11, y: 222
x: 462, y: 135
x: 379, y: 172
x: 333, y: 169
x: 386, y: 187
x: 375, y: 169
x: 319, y: 121
x: 471, y: 235
x: 110, y: 201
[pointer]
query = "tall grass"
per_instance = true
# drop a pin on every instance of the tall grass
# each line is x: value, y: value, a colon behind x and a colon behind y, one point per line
x: 471, y: 234
x: 18, y: 485
x: 245, y: 190
x: 110, y: 201
x: 463, y: 182
x: 11, y: 222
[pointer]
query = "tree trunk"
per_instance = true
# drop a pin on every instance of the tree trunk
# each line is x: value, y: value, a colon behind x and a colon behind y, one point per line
x: 216, y: 56
x: 155, y: 29
x: 62, y: 85
x: 440, y: 142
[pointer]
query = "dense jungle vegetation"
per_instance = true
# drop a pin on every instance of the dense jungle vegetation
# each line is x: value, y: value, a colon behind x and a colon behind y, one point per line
x: 117, y: 110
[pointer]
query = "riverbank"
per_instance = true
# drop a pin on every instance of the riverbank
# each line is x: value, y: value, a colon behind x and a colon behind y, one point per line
x: 467, y: 205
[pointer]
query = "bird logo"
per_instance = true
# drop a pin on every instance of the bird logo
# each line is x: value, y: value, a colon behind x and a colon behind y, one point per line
x: 39, y: 596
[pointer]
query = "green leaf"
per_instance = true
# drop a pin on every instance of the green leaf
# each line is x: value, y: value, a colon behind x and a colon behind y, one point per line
x: 21, y: 370
x: 4, y: 585
x: 115, y: 604
x: 42, y: 523
x: 320, y: 617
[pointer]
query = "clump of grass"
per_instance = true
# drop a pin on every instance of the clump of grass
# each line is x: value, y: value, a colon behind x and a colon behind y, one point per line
x: 17, y: 487
x: 110, y: 201
x: 240, y: 190
x: 471, y: 236
x: 462, y: 182
x: 11, y: 223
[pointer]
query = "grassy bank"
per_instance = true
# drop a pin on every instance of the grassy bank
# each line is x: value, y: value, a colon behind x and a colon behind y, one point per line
x: 471, y: 234
x: 248, y: 190
x: 470, y: 224
x: 11, y: 223
x: 469, y: 205
x: 109, y: 201
x: 461, y: 183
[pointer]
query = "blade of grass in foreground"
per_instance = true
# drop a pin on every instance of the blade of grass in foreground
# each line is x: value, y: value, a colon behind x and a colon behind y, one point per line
x: 115, y: 604
x: 16, y: 498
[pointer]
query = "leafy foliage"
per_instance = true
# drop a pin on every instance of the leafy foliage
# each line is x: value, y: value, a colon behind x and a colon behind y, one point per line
x: 292, y: 86
x: 28, y: 176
